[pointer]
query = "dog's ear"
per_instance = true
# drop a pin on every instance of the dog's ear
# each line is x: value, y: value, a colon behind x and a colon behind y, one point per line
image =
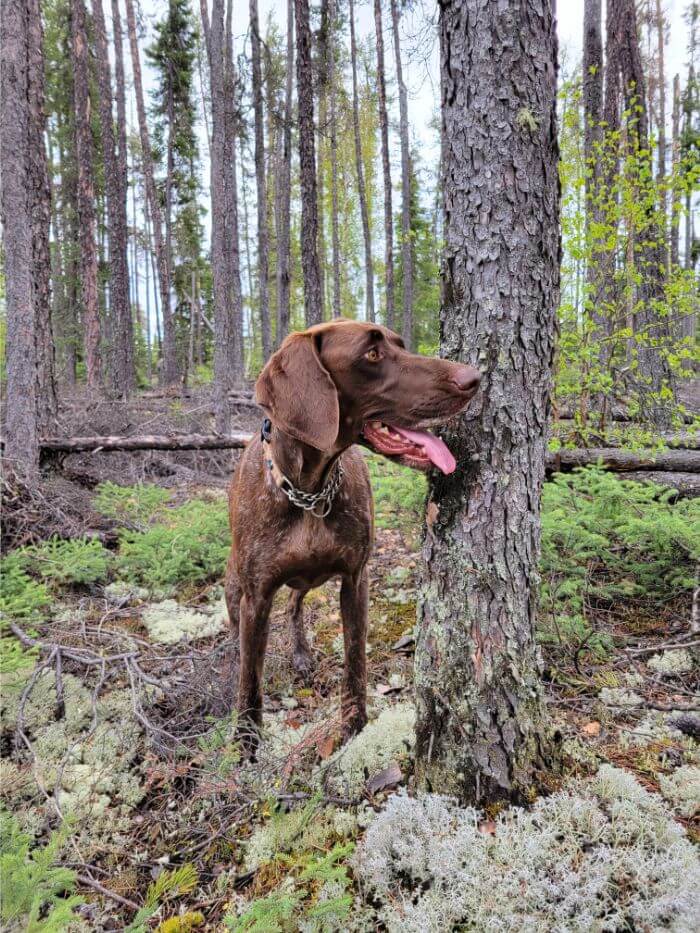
x: 297, y: 392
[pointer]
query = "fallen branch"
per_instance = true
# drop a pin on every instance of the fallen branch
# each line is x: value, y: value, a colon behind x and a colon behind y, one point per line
x: 619, y: 461
x: 98, y: 444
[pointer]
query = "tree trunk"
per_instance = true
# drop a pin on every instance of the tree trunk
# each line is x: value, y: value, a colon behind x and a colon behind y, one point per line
x: 232, y: 239
x: 480, y: 730
x: 21, y: 429
x: 40, y: 206
x: 283, y: 191
x: 263, y: 245
x: 313, y: 296
x: 361, y: 190
x: 122, y: 362
x: 386, y: 167
x: 406, y: 243
x: 87, y: 221
x: 661, y: 145
x: 675, y: 171
x: 333, y: 93
x: 169, y: 349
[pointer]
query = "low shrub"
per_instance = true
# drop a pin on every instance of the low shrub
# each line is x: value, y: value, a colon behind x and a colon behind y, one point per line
x: 130, y: 505
x: 20, y: 596
x: 189, y: 546
x: 74, y: 562
x: 399, y: 494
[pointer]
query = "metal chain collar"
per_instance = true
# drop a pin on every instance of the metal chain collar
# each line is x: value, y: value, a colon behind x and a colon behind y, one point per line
x: 310, y: 501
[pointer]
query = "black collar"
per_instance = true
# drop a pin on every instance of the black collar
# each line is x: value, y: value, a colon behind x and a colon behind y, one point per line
x: 266, y: 430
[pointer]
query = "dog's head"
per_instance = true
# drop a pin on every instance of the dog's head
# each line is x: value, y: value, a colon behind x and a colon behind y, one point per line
x: 350, y: 382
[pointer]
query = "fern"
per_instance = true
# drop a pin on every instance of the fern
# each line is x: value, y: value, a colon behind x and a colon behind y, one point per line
x: 168, y: 885
x: 36, y: 894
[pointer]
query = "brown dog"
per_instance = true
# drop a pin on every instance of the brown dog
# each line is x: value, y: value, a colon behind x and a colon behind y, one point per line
x: 300, y: 500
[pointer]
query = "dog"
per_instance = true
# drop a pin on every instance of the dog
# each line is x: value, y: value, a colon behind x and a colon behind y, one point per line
x: 300, y: 501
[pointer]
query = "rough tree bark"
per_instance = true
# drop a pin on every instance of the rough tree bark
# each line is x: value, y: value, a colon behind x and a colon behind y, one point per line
x: 170, y: 367
x: 121, y: 369
x: 283, y: 190
x: 21, y: 429
x: 386, y: 167
x: 87, y: 221
x: 263, y: 246
x: 333, y: 95
x: 661, y: 144
x: 359, y: 168
x: 480, y: 729
x: 313, y: 296
x: 40, y: 206
x: 406, y: 243
x: 676, y: 163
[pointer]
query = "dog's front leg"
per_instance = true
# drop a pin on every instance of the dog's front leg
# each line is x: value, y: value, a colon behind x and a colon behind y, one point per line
x: 254, y: 624
x: 353, y: 609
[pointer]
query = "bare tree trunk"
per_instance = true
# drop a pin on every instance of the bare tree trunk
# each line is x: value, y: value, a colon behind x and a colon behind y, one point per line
x: 406, y: 242
x: 386, y: 167
x: 21, y: 428
x: 122, y: 363
x: 313, y: 296
x: 661, y: 166
x: 322, y: 94
x: 283, y: 190
x: 232, y: 239
x: 359, y: 168
x: 40, y: 194
x: 169, y: 349
x: 676, y: 165
x: 87, y: 221
x: 333, y: 94
x: 263, y: 240
x: 480, y: 729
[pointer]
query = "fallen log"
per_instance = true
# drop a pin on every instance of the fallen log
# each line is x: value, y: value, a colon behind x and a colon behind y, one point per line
x: 683, y: 440
x: 620, y: 461
x: 687, y: 485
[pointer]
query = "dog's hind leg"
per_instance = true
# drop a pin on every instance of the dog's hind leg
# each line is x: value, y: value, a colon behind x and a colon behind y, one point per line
x: 302, y: 655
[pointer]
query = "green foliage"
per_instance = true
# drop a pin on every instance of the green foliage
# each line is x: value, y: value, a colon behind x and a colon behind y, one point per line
x: 36, y: 895
x: 168, y: 885
x: 191, y: 546
x: 604, y: 538
x: 20, y: 596
x: 316, y: 893
x: 73, y: 562
x: 399, y: 494
x: 130, y: 505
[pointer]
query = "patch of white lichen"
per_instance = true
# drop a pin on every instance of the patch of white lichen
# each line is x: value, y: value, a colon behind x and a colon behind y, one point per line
x: 682, y: 790
x: 620, y: 697
x: 168, y: 622
x: 668, y: 663
x: 603, y: 854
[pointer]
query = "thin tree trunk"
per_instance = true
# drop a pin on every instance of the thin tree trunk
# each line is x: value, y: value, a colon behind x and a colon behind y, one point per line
x: 122, y: 363
x: 322, y: 94
x: 675, y: 171
x: 283, y: 191
x: 40, y: 194
x: 263, y: 239
x: 313, y: 296
x: 87, y: 220
x: 233, y: 243
x: 661, y: 145
x: 169, y: 350
x: 359, y: 168
x: 480, y: 730
x: 386, y: 167
x: 21, y: 428
x: 406, y: 243
x: 333, y: 94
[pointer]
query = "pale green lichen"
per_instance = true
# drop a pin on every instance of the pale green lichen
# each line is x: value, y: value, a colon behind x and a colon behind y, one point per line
x: 168, y: 622
x: 620, y: 697
x: 121, y: 592
x: 603, y: 854
x: 668, y: 663
x: 390, y: 738
x: 682, y: 790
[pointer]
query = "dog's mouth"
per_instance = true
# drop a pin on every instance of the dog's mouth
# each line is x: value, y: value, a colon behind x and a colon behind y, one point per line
x: 414, y: 448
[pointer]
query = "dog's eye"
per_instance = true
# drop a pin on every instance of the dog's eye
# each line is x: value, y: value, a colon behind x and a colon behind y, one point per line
x: 373, y: 355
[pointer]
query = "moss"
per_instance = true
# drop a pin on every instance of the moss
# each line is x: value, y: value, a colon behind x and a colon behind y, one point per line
x: 668, y: 663
x: 389, y: 738
x: 168, y: 622
x: 682, y: 790
x: 602, y: 854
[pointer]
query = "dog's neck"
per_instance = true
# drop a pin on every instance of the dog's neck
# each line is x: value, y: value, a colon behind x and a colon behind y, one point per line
x: 304, y: 466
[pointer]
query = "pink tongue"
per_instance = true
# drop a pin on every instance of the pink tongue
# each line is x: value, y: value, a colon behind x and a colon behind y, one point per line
x: 436, y: 449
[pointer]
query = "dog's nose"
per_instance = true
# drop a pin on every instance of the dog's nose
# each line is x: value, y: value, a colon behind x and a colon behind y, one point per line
x: 466, y: 378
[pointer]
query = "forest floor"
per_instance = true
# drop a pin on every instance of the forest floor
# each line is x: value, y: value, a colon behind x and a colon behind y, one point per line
x: 118, y: 684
